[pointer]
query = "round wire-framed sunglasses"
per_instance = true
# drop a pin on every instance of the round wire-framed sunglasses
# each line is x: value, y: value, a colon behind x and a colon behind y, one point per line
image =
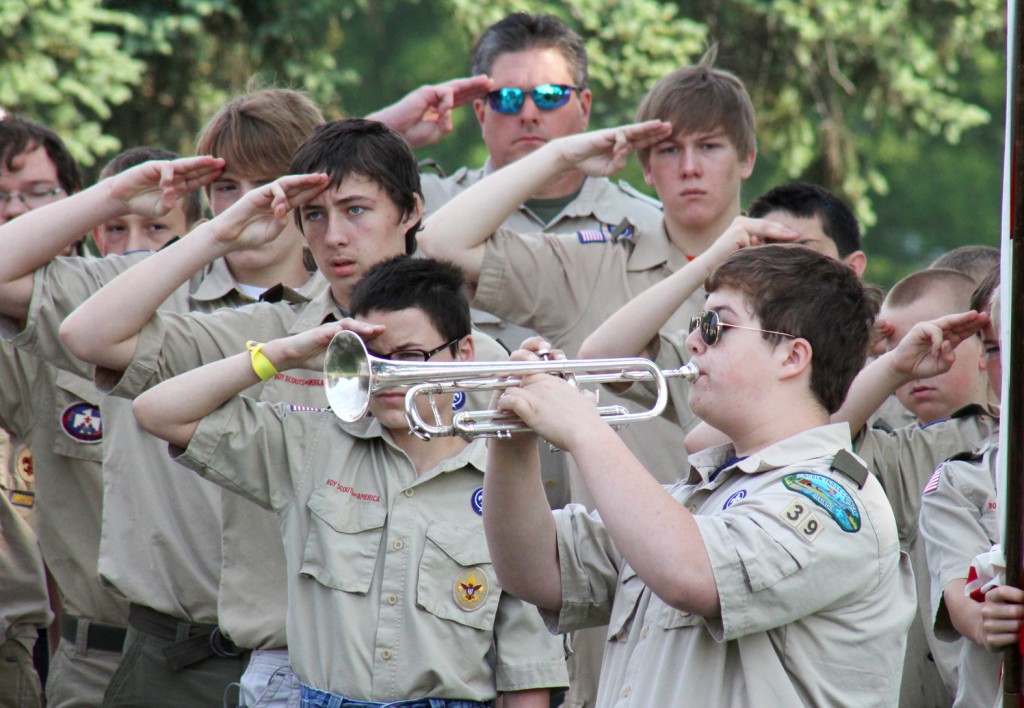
x: 711, y: 327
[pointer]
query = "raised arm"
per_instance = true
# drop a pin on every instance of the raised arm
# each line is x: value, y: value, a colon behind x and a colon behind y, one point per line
x: 633, y: 329
x: 104, y: 329
x: 38, y: 236
x: 424, y: 116
x: 656, y: 535
x: 927, y: 350
x: 173, y: 409
x: 458, y: 230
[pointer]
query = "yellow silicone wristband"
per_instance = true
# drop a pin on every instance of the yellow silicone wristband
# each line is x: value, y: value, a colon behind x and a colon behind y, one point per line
x: 260, y: 363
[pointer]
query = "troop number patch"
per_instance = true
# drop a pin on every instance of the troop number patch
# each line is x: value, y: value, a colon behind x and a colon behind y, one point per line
x: 829, y: 495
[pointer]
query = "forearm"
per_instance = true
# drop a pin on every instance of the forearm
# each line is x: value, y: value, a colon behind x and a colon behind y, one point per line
x: 656, y: 534
x: 518, y: 523
x: 172, y: 409
x: 635, y: 325
x: 964, y: 613
x: 104, y: 329
x: 533, y: 698
x: 869, y: 390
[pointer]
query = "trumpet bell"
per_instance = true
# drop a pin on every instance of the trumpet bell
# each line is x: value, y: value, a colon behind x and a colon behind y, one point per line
x: 347, y: 376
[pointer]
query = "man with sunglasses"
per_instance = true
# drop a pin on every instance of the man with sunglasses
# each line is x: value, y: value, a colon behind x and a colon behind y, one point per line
x: 771, y: 573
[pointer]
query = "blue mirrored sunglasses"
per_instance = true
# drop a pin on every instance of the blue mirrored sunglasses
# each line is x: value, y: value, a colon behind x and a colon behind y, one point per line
x: 546, y: 97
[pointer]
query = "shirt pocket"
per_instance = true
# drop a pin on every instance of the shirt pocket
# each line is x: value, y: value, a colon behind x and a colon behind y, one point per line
x: 77, y: 415
x: 344, y: 540
x: 624, y: 607
x: 456, y: 578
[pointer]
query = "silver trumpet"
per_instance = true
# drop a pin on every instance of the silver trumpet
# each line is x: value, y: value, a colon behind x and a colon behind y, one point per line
x: 352, y: 375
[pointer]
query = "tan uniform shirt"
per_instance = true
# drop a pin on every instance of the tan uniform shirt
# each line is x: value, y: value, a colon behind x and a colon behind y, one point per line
x: 904, y: 460
x: 57, y: 414
x: 815, y: 595
x: 960, y: 520
x: 392, y: 594
x: 565, y: 288
x: 253, y: 591
x: 24, y: 600
x: 150, y: 510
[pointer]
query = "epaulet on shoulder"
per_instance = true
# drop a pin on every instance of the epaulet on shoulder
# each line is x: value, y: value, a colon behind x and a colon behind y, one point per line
x: 632, y: 191
x: 279, y: 292
x: 848, y: 463
x: 971, y: 409
x: 431, y: 165
x: 967, y: 456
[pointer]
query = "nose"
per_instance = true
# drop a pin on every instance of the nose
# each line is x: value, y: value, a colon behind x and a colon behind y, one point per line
x: 690, y: 163
x: 15, y: 206
x: 337, y: 233
x: 694, y: 342
x: 529, y: 112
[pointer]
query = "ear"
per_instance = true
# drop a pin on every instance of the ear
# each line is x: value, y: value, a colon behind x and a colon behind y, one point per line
x: 747, y: 165
x: 857, y: 261
x: 646, y: 166
x: 467, y: 349
x: 794, y: 358
x: 479, y: 109
x: 586, y: 99
x: 414, y: 215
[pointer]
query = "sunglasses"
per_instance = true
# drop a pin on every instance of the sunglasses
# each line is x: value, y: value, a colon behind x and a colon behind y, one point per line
x: 546, y: 97
x: 711, y: 327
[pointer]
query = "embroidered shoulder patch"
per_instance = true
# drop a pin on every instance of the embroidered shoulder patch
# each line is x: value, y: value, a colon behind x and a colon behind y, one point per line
x: 591, y: 236
x: 933, y: 483
x: 829, y: 495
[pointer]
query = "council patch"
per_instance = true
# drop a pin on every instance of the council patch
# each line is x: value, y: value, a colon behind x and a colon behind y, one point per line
x: 81, y: 421
x: 829, y: 495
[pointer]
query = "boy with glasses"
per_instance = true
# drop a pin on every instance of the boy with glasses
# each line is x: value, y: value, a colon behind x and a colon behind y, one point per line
x: 771, y: 573
x: 422, y: 622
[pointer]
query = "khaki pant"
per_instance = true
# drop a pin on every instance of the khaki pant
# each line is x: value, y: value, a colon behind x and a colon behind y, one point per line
x: 79, y: 676
x: 19, y: 683
x: 145, y: 679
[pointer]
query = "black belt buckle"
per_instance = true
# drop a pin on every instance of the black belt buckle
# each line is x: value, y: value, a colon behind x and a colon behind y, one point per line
x: 222, y: 646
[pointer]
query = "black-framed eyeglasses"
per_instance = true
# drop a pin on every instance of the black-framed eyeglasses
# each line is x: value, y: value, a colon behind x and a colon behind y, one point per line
x: 711, y: 327
x: 547, y: 97
x: 414, y: 355
x: 34, y: 198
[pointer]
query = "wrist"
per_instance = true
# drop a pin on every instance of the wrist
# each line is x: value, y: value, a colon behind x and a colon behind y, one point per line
x: 261, y: 363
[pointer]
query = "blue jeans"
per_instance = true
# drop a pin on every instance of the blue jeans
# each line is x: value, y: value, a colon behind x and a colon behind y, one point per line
x: 315, y: 698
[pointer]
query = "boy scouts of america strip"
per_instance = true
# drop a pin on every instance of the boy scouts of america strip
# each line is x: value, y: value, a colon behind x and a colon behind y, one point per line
x: 933, y: 483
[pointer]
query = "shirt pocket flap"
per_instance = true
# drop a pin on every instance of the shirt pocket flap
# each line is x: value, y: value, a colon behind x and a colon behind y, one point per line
x: 343, y: 542
x: 768, y: 555
x: 627, y: 597
x: 456, y: 578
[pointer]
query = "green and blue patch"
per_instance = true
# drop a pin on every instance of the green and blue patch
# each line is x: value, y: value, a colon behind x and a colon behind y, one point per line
x: 829, y: 495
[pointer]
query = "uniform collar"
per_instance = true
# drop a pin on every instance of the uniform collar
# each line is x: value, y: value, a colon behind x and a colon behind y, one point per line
x: 807, y: 445
x: 318, y: 310
x: 654, y: 249
x: 214, y: 282
x: 473, y: 455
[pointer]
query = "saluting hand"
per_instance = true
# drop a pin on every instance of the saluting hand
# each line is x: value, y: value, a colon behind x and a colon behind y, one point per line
x: 928, y: 349
x: 306, y: 350
x: 604, y: 152
x: 154, y: 188
x: 424, y: 116
x: 261, y: 214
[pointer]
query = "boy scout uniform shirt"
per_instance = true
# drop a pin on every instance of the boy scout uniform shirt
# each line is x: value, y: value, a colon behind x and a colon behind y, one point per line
x: 57, y: 414
x: 253, y: 590
x: 904, y: 460
x: 24, y: 599
x: 815, y: 595
x: 392, y: 594
x: 960, y: 520
x: 150, y: 509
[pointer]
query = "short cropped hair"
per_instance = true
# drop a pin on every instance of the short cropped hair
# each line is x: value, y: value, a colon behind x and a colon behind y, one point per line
x: 807, y: 201
x: 974, y: 261
x: 436, y: 287
x: 18, y: 136
x: 192, y: 203
x: 951, y: 285
x: 521, y: 31
x: 799, y: 291
x: 356, y: 146
x: 702, y: 99
x: 258, y: 132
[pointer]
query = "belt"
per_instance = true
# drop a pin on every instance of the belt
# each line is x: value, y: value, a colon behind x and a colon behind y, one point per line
x: 315, y: 698
x: 191, y: 642
x: 106, y: 637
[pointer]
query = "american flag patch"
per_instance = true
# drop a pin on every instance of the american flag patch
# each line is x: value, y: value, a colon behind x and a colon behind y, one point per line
x: 933, y: 483
x: 305, y: 409
x: 591, y: 236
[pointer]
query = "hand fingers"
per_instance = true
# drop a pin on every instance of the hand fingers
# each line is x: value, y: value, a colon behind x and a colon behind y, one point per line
x: 363, y: 329
x: 470, y: 89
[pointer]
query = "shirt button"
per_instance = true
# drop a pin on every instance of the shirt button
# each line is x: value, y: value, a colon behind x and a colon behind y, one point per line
x: 692, y: 508
x: 409, y: 492
x: 625, y: 691
x: 684, y: 613
x: 398, y: 545
x: 386, y: 654
x: 392, y: 599
x: 644, y: 632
